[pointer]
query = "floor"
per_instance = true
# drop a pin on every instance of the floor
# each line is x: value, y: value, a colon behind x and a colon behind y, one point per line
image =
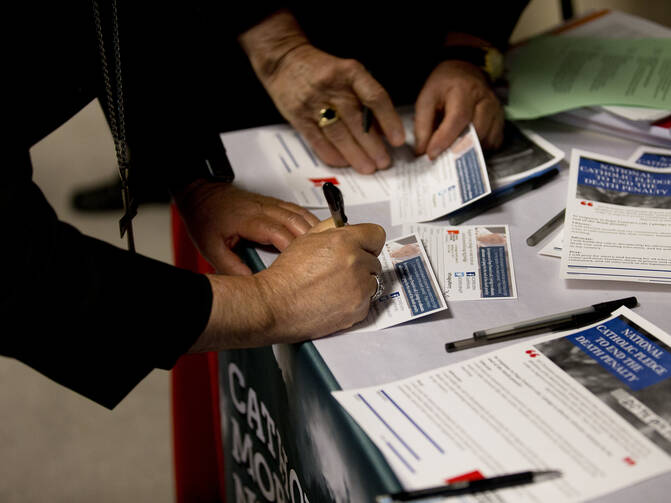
x: 55, y: 445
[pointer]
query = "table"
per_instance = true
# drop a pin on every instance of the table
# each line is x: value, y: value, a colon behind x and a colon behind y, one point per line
x: 276, y: 402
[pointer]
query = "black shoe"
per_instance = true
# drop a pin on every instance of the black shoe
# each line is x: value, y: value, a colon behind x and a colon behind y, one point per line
x: 107, y: 196
x: 99, y: 198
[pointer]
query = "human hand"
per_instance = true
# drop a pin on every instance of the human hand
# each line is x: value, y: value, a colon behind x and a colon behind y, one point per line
x: 218, y: 215
x: 456, y: 93
x: 323, y: 282
x: 302, y: 80
x: 320, y: 284
x: 309, y: 80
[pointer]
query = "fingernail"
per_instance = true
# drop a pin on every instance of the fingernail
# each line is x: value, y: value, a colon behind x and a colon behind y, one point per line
x: 383, y: 162
x: 433, y: 154
x: 398, y: 137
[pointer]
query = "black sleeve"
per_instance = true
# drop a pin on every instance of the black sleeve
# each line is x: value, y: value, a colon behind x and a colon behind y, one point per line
x: 492, y: 21
x: 84, y: 313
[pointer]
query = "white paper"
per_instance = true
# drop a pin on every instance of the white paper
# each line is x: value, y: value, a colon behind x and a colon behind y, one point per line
x: 629, y: 122
x: 554, y: 247
x: 659, y: 158
x: 616, y: 24
x: 410, y: 287
x: 471, y: 262
x: 593, y: 403
x: 618, y: 221
x: 522, y: 155
x: 428, y: 190
x: 291, y: 156
x: 638, y: 113
x: 419, y: 189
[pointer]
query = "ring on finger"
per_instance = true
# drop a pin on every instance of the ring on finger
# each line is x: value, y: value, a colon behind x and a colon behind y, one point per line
x: 379, y: 289
x: 327, y: 116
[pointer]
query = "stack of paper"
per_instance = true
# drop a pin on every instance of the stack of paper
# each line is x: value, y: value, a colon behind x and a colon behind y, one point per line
x: 603, y: 72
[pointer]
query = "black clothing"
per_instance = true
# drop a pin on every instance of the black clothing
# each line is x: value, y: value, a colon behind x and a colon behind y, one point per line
x: 87, y: 314
x: 84, y: 313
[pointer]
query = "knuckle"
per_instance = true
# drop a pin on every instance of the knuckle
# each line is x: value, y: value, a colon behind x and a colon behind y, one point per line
x: 461, y: 116
x: 351, y: 66
x: 336, y: 132
x: 376, y: 95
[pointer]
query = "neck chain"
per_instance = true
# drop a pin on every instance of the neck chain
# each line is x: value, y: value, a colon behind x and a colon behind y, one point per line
x: 116, y: 116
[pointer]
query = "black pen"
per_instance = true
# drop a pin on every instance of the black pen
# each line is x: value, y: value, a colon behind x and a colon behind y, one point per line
x: 497, y: 198
x: 472, y: 486
x: 367, y: 118
x: 336, y: 204
x: 547, y: 228
x: 553, y: 322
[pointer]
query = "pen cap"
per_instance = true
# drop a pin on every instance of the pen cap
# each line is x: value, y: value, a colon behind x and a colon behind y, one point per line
x: 333, y: 196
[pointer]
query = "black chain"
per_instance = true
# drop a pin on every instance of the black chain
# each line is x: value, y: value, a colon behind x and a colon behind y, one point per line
x: 116, y: 117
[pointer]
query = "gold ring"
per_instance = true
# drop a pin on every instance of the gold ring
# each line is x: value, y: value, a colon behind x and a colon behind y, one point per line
x: 327, y: 116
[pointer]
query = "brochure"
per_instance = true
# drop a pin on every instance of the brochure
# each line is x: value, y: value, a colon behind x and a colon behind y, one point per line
x: 644, y: 155
x: 524, y: 154
x: 410, y: 287
x: 593, y: 403
x: 418, y: 189
x: 427, y: 190
x: 659, y: 158
x: 471, y: 262
x: 618, y: 217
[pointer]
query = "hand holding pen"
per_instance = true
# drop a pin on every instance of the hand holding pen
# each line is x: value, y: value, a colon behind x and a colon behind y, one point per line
x: 337, y: 207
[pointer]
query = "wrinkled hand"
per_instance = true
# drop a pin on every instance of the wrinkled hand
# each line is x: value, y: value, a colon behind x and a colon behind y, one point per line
x: 324, y: 280
x: 456, y: 93
x: 218, y: 215
x: 320, y: 284
x: 307, y: 80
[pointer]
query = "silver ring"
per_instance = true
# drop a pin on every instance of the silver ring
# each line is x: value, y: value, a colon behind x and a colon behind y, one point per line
x: 379, y: 290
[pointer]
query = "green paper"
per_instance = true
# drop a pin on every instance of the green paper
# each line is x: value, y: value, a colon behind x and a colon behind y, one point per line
x: 552, y: 74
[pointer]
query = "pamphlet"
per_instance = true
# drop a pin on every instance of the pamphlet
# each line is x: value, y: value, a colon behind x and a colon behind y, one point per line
x: 618, y: 221
x: 593, y: 403
x: 427, y: 190
x: 551, y: 74
x: 417, y: 188
x: 645, y: 155
x: 471, y: 262
x: 410, y: 287
x: 638, y: 123
x: 523, y: 154
x: 659, y: 158
x: 302, y: 170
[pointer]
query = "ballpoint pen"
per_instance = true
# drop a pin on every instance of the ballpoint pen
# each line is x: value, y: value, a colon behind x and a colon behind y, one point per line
x: 547, y: 228
x: 471, y: 486
x: 497, y: 198
x: 560, y: 321
x: 336, y: 204
x: 367, y: 118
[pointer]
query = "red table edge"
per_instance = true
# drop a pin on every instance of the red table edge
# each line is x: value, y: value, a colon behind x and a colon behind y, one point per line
x: 198, y: 456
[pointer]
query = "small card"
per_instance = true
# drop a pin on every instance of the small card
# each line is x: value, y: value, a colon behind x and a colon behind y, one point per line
x: 472, y: 262
x: 411, y: 290
x: 554, y: 247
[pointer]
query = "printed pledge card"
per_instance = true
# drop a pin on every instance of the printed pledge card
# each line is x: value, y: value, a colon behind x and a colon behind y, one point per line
x: 411, y: 290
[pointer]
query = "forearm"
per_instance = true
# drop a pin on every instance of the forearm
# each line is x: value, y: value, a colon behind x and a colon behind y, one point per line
x: 269, y: 42
x: 240, y: 317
